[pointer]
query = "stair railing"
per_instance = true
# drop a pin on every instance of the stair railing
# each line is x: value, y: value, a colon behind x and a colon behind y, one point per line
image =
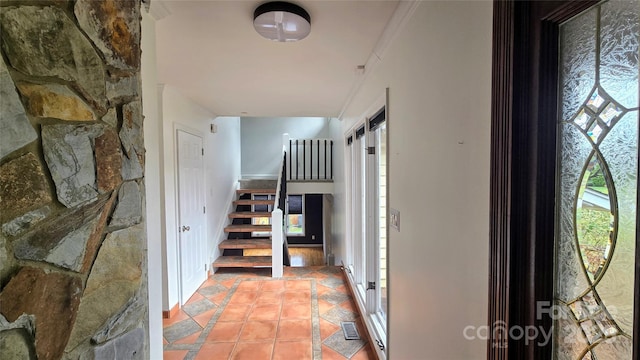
x: 279, y: 247
x: 310, y: 160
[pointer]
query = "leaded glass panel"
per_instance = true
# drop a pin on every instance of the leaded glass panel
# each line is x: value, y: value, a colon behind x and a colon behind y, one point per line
x: 597, y: 178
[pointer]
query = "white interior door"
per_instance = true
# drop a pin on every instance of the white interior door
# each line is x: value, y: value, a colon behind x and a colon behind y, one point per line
x: 191, y: 215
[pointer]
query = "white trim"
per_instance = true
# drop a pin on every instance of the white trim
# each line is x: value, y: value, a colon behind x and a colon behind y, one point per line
x: 220, y: 235
x: 400, y: 17
x: 277, y: 254
x: 188, y: 129
x: 366, y: 318
x: 310, y: 187
x: 158, y: 9
x: 180, y: 127
x: 371, y: 221
x: 362, y: 257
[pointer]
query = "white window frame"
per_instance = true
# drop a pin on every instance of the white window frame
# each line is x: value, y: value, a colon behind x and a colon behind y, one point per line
x: 363, y: 251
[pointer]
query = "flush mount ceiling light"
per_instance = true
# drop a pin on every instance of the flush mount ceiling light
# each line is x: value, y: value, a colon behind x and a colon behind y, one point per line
x: 282, y: 21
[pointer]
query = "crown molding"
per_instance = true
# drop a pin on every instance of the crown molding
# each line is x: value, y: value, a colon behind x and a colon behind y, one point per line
x: 158, y: 9
x: 400, y: 17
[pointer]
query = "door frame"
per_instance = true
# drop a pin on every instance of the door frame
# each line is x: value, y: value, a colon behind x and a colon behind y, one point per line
x: 523, y: 167
x: 176, y: 128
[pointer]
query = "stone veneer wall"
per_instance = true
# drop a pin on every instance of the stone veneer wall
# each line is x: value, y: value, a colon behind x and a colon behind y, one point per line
x: 73, y: 271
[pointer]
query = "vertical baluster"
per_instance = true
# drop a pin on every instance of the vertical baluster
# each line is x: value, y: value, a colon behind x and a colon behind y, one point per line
x: 331, y: 160
x: 297, y: 152
x: 325, y: 159
x: 304, y: 159
x: 318, y: 159
x: 290, y: 157
x: 310, y: 144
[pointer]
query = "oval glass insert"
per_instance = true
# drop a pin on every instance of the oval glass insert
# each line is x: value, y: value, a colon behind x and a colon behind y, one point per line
x: 595, y: 219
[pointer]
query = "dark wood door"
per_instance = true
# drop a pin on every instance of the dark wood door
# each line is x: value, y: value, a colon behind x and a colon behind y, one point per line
x: 523, y: 172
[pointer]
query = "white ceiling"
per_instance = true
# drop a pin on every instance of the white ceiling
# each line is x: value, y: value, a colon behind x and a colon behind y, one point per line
x: 211, y: 53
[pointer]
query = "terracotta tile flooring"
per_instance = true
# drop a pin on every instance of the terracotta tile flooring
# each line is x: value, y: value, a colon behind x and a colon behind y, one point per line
x: 245, y: 314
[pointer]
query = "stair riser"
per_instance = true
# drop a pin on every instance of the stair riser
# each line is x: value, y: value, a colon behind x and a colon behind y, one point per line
x: 242, y: 261
x: 245, y: 244
x: 256, y: 191
x: 228, y: 231
x: 254, y: 202
x: 248, y: 215
x: 233, y: 248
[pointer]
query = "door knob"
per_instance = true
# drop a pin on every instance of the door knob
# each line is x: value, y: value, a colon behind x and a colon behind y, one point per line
x: 185, y: 228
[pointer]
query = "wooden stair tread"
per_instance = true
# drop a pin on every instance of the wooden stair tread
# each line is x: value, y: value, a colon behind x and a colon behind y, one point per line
x: 249, y: 215
x: 242, y: 261
x: 253, y: 202
x: 247, y: 228
x: 256, y: 191
x: 245, y: 244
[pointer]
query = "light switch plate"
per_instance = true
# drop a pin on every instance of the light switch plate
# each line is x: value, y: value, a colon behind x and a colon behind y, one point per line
x: 394, y: 218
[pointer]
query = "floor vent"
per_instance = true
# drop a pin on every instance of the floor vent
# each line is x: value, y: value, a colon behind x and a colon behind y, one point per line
x: 349, y: 330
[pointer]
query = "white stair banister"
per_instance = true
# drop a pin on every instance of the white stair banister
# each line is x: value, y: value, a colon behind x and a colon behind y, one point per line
x: 277, y: 239
x: 277, y: 221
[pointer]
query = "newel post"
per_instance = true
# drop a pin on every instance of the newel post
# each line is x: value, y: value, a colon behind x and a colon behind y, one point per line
x: 276, y: 244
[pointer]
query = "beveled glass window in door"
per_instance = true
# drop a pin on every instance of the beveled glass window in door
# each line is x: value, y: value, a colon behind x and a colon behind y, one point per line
x: 597, y: 183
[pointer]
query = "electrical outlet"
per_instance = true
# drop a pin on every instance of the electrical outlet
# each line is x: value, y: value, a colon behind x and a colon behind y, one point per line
x: 394, y: 218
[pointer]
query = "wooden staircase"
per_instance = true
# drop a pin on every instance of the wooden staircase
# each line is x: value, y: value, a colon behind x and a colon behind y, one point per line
x: 240, y: 232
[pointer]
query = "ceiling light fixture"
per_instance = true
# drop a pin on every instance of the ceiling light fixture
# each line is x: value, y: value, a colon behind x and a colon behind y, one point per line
x: 282, y: 21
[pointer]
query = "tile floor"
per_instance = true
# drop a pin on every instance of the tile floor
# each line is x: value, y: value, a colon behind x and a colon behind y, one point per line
x: 244, y: 314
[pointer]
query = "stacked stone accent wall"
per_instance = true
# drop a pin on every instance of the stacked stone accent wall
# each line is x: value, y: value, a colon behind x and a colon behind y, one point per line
x: 73, y: 269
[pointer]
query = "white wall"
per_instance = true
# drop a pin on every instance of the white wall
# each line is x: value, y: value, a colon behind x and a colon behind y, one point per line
x: 152, y: 140
x: 338, y: 218
x: 438, y: 72
x: 223, y: 152
x: 222, y: 168
x: 262, y: 141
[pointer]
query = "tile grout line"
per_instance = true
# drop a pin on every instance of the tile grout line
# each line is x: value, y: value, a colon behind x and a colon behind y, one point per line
x: 197, y: 345
x: 225, y: 302
x: 275, y: 338
x: 316, y: 340
x: 315, y: 322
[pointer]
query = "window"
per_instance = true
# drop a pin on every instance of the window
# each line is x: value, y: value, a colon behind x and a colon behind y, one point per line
x: 295, y: 217
x: 366, y: 156
x: 597, y: 202
x: 264, y: 209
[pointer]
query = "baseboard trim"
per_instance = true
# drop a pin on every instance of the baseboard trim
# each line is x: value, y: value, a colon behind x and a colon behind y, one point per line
x: 171, y: 313
x: 363, y: 317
